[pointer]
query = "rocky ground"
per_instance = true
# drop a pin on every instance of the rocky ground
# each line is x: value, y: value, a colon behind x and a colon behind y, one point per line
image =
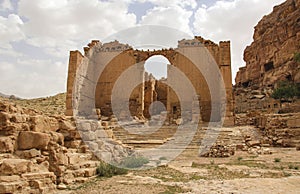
x: 242, y: 173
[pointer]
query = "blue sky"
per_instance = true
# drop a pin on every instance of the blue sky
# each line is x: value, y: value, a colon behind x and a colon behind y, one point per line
x: 36, y: 37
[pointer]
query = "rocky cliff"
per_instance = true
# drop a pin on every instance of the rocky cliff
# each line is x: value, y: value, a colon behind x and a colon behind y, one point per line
x: 270, y: 56
x: 270, y: 59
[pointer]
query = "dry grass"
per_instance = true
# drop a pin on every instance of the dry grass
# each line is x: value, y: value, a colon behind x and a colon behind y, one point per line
x: 53, y: 105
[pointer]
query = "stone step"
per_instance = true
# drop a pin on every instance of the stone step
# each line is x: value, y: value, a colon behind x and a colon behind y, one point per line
x: 12, y: 187
x: 166, y: 134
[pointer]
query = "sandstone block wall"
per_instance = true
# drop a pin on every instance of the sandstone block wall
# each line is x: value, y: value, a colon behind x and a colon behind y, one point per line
x: 39, y: 154
x: 282, y: 130
x: 123, y: 57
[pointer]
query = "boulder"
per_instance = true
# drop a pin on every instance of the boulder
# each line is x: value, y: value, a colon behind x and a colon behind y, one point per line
x: 43, y: 124
x: 30, y: 139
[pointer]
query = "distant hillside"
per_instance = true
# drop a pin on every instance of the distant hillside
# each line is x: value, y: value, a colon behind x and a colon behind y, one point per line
x: 53, y: 105
x: 9, y: 96
x: 4, y: 95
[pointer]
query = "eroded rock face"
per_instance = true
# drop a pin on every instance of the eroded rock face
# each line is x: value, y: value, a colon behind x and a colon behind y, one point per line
x: 270, y: 59
x: 270, y: 56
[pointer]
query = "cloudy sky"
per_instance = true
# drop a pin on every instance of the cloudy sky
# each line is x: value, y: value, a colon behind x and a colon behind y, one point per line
x: 37, y: 35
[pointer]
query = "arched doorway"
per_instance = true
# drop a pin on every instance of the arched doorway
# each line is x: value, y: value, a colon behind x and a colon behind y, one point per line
x: 138, y: 104
x: 155, y: 90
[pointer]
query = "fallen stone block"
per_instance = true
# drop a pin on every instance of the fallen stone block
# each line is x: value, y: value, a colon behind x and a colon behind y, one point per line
x: 30, y: 139
x: 14, y: 166
x: 253, y: 143
x: 66, y: 125
x: 28, y: 154
x: 75, y: 158
x: 12, y: 187
x: 7, y: 145
x: 11, y: 178
x: 39, y: 175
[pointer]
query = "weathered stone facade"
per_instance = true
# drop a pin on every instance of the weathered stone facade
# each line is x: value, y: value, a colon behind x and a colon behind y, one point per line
x: 121, y: 57
x: 269, y: 58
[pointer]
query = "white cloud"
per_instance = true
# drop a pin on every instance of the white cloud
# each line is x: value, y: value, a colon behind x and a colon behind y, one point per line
x: 55, y: 27
x: 10, y: 30
x: 168, y: 3
x: 28, y: 78
x: 6, y: 5
x: 61, y: 25
x: 232, y: 20
x: 175, y: 17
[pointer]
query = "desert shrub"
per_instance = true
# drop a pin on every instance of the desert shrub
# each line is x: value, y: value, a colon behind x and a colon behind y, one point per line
x: 286, y: 90
x: 108, y: 170
x: 293, y: 167
x: 297, y: 57
x: 163, y: 158
x: 134, y: 162
x: 277, y: 159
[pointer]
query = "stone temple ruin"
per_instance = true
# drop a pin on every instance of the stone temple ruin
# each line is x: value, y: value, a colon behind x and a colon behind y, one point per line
x: 151, y: 90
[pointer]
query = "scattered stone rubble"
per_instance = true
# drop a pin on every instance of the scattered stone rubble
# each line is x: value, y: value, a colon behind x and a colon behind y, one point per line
x: 220, y: 151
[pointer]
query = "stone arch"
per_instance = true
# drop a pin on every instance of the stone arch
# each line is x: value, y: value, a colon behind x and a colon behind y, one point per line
x: 157, y: 66
x: 137, y: 101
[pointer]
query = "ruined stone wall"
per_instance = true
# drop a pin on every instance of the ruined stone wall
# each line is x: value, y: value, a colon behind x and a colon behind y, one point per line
x: 74, y: 60
x: 161, y: 89
x: 280, y: 129
x: 150, y: 94
x: 123, y: 57
x: 110, y: 75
